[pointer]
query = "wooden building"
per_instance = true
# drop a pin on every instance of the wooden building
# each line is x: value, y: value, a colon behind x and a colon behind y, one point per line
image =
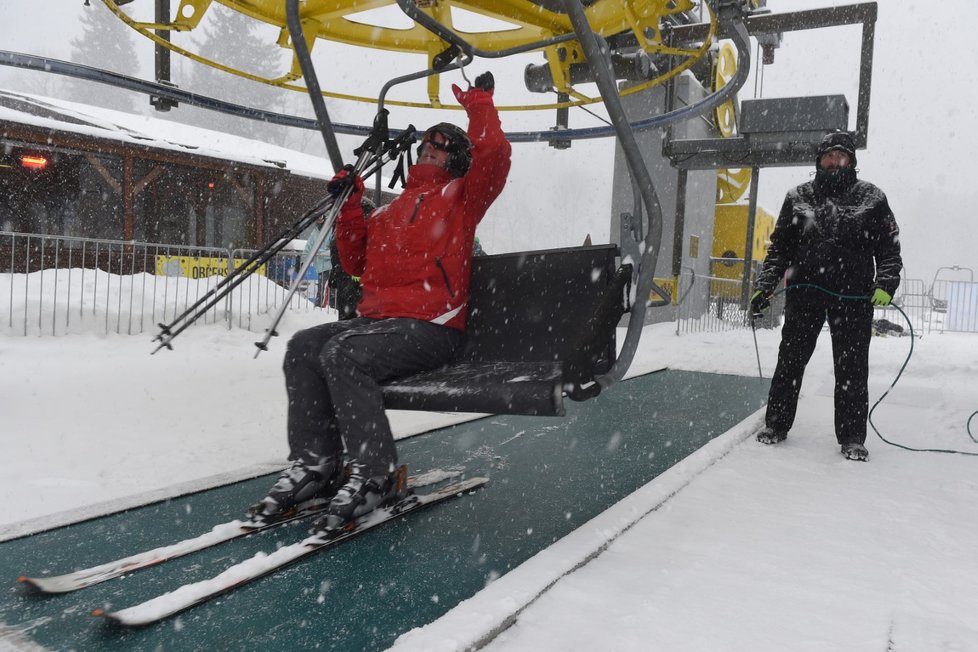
x: 77, y: 171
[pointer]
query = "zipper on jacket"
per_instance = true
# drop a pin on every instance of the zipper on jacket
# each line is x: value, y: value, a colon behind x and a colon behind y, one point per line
x: 417, y: 206
x: 444, y: 275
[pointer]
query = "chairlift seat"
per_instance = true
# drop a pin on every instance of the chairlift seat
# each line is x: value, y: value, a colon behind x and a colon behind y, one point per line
x: 531, y: 330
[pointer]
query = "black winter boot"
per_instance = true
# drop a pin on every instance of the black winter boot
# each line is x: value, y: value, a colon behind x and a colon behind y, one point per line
x: 302, y: 485
x: 854, y: 451
x: 771, y: 436
x: 362, y: 493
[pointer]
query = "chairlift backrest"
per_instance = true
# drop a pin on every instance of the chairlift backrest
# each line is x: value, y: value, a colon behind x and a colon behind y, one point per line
x: 531, y: 316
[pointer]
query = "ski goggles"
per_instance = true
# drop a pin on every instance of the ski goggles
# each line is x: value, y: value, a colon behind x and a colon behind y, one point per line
x: 429, y: 140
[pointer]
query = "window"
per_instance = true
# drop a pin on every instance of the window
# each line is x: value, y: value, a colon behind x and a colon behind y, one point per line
x: 180, y: 205
x: 53, y: 191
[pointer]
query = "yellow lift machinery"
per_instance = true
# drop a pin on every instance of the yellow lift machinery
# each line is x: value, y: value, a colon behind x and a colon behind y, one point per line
x: 517, y: 23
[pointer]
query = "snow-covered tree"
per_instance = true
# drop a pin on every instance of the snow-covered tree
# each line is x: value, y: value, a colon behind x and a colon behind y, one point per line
x: 107, y: 43
x: 230, y: 38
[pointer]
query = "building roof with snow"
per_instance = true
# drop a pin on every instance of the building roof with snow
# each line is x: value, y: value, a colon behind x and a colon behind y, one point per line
x: 144, y: 131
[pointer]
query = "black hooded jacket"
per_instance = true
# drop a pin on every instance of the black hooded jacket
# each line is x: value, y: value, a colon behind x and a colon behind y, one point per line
x: 841, y: 236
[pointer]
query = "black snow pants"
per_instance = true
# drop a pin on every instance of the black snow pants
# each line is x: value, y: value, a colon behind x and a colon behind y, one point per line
x: 850, y: 326
x: 332, y: 376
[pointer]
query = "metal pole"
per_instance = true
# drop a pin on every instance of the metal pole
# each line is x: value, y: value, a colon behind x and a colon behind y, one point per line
x: 865, y: 83
x: 755, y: 172
x: 596, y: 52
x: 680, y: 224
x: 162, y: 54
x: 312, y: 83
x: 162, y: 57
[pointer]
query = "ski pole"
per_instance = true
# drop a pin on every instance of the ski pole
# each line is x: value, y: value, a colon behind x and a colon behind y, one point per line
x: 220, y: 291
x: 257, y: 259
x: 365, y: 155
x: 757, y: 350
x: 370, y: 159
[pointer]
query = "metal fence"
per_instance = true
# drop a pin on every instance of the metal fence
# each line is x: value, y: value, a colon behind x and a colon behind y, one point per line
x: 54, y: 285
x: 955, y: 306
x: 713, y: 304
x: 709, y: 304
x: 913, y: 298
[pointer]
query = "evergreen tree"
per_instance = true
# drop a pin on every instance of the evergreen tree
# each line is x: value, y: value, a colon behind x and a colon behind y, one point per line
x: 230, y: 38
x: 105, y: 42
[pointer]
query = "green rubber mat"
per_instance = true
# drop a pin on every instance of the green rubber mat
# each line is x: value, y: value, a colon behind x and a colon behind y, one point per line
x: 548, y: 476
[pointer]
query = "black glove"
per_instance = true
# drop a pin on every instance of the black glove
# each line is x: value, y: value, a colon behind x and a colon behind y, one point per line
x: 759, y: 302
x: 485, y: 81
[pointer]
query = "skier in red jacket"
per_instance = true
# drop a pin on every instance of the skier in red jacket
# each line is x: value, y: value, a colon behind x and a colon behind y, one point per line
x: 414, y: 258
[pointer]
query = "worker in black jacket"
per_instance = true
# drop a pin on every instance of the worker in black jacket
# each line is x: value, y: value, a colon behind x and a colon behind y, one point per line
x: 836, y: 232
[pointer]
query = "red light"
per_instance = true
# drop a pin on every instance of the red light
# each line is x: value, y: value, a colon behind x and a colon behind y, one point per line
x: 210, y: 184
x: 33, y: 162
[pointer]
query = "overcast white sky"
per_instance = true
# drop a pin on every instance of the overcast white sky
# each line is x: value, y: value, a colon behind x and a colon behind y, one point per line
x: 920, y: 143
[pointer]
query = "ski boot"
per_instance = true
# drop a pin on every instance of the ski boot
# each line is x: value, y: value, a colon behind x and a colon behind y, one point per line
x: 769, y: 435
x: 361, y: 494
x: 302, y: 486
x: 854, y: 451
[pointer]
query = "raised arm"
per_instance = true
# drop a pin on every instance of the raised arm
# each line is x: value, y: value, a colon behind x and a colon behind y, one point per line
x: 490, y: 149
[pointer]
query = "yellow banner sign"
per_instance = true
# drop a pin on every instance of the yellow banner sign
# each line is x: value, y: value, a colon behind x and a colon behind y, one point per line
x: 669, y: 286
x: 197, y: 266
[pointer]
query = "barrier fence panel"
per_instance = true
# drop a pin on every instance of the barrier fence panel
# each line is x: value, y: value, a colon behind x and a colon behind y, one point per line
x: 264, y: 292
x: 54, y: 285
x: 955, y: 306
x: 713, y: 304
x: 913, y: 299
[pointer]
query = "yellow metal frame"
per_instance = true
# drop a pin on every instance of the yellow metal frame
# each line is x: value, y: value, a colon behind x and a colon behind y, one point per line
x: 732, y: 183
x: 336, y: 20
x: 724, y: 69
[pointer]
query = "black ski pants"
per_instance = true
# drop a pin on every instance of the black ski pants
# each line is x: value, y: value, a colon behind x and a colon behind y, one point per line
x: 851, y: 327
x: 332, y: 376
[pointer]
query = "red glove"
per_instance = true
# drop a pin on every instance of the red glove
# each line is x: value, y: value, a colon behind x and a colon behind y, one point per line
x: 344, y: 178
x: 478, y: 95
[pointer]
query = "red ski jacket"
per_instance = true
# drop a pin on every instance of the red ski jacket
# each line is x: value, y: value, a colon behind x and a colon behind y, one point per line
x: 414, y: 256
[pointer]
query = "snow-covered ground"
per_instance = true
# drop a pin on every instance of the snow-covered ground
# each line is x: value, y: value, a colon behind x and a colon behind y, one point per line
x: 740, y: 547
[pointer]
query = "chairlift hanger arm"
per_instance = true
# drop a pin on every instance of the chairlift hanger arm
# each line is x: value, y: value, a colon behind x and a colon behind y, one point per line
x: 312, y: 83
x: 596, y: 56
x: 428, y: 72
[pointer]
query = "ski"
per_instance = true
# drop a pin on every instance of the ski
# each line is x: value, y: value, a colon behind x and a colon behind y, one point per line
x: 229, y: 531
x: 262, y: 564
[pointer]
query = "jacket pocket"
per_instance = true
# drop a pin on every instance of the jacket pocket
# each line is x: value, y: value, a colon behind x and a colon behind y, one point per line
x: 444, y: 275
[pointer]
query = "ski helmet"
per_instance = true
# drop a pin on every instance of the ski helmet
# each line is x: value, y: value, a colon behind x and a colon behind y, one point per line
x: 840, y: 140
x: 459, y: 147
